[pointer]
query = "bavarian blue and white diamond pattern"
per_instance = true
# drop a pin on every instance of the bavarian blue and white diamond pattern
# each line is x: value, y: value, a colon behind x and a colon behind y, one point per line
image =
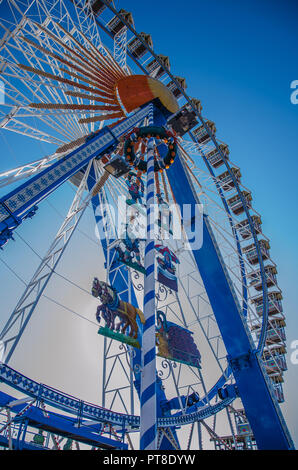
x: 39, y: 185
x: 3, y: 213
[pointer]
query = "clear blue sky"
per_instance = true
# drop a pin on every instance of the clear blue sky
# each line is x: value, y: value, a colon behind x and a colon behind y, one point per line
x: 239, y: 59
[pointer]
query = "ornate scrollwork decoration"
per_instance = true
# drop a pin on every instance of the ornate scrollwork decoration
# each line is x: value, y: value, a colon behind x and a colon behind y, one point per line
x: 135, y: 276
x: 167, y: 366
x: 130, y: 354
x: 137, y: 368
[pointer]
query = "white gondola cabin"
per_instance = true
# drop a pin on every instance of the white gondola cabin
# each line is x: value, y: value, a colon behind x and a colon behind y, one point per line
x: 235, y: 202
x: 270, y: 276
x: 226, y: 180
x: 275, y: 365
x: 277, y: 387
x: 115, y: 25
x: 244, y: 227
x: 214, y: 157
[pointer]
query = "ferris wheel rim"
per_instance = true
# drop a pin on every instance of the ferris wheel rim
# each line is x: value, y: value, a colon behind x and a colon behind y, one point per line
x: 155, y: 56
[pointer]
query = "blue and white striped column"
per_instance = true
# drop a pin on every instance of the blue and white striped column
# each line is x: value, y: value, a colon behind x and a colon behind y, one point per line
x: 148, y: 425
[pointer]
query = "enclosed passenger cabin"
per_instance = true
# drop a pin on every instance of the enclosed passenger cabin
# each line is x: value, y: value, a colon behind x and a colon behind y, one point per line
x: 98, y: 7
x: 274, y: 304
x: 251, y: 251
x: 226, y: 179
x: 154, y: 68
x: 276, y: 378
x: 235, y: 202
x: 244, y: 227
x: 137, y: 48
x: 202, y: 135
x: 275, y: 331
x: 115, y: 25
x: 174, y: 89
x: 270, y: 276
x: 277, y: 387
x: 214, y: 157
x: 196, y: 104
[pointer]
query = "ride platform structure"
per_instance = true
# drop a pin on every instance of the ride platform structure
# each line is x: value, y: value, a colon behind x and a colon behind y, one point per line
x: 192, y: 300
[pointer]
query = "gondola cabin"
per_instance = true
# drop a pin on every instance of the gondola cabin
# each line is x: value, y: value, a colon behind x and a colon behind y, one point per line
x: 98, y: 7
x: 214, y: 157
x: 202, y: 135
x: 244, y: 227
x: 226, y: 180
x: 242, y: 438
x: 136, y: 46
x: 275, y: 365
x: 115, y: 25
x: 196, y: 104
x: 242, y: 424
x: 277, y: 381
x: 274, y: 304
x: 154, y: 68
x: 235, y: 202
x: 275, y: 331
x: 184, y: 120
x: 174, y: 89
x: 251, y: 251
x: 270, y: 276
x: 274, y: 359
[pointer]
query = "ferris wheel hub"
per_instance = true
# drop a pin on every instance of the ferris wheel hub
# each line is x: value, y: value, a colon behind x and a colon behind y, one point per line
x: 137, y: 90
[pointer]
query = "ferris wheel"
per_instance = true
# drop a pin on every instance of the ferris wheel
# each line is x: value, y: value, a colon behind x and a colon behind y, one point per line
x: 185, y: 305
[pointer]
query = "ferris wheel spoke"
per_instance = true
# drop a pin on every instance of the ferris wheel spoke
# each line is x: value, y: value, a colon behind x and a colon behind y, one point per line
x: 120, y: 47
x: 229, y: 217
x: 62, y: 129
